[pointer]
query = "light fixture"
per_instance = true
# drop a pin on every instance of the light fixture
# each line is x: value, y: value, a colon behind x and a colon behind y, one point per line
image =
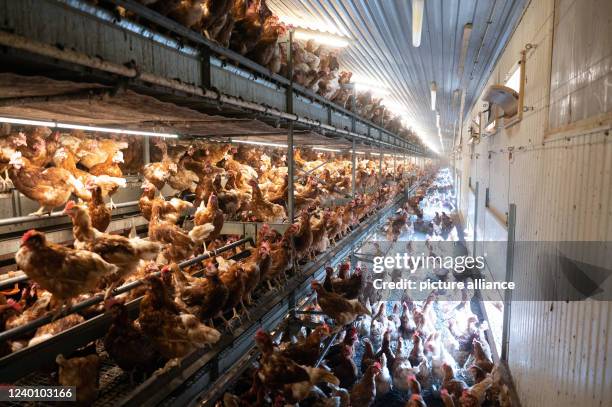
x: 323, y: 38
x: 418, y: 8
x: 360, y: 152
x: 465, y: 42
x: 259, y: 143
x: 59, y: 125
x: 434, y: 89
x: 333, y: 150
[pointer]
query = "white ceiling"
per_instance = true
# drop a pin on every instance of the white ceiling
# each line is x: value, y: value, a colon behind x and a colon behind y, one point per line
x: 381, y: 49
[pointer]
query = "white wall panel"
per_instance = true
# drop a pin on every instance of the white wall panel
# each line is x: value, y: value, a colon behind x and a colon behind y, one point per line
x: 558, y: 352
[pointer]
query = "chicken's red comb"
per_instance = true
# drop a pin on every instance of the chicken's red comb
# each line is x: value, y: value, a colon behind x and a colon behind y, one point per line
x: 108, y: 304
x: 27, y: 235
x: 261, y: 333
x: 444, y: 392
x: 69, y: 205
x: 13, y: 304
x: 165, y: 269
x: 345, y: 266
x: 377, y: 365
x: 415, y: 397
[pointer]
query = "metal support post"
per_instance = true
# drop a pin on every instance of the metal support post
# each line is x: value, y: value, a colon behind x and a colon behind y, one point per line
x: 290, y: 157
x: 146, y: 150
x: 205, y: 75
x: 509, y: 277
x: 380, y: 158
x: 354, y: 170
x: 475, y: 219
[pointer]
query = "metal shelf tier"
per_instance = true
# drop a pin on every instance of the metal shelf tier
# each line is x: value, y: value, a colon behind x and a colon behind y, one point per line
x: 180, y: 67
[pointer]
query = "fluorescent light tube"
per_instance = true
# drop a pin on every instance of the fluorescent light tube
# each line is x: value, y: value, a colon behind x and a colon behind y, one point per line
x: 59, y: 125
x: 465, y: 42
x: 434, y: 89
x: 418, y: 11
x: 258, y: 143
x: 333, y: 150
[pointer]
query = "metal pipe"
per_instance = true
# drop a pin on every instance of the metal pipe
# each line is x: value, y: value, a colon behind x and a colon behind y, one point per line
x: 354, y: 171
x: 20, y: 219
x: 37, y: 323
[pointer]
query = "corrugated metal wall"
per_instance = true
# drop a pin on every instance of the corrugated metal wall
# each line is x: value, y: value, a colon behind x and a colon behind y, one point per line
x: 562, y: 186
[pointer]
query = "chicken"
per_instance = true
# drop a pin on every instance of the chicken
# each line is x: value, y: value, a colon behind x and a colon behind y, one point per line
x: 263, y: 210
x: 263, y: 51
x: 214, y: 14
x: 210, y: 213
x: 369, y: 357
x: 235, y: 280
x: 307, y: 351
x: 248, y: 27
x: 320, y: 241
x: 99, y: 213
x: 49, y: 187
x: 475, y: 395
x: 110, y: 167
x: 350, y: 288
x: 281, y: 260
x: 170, y: 210
x: 363, y: 392
x: 127, y: 345
x: 82, y: 373
x: 454, y: 386
x: 49, y: 330
x: 416, y: 354
x: 481, y: 360
x: 383, y: 380
x: 188, y: 13
x: 253, y: 267
x: 203, y: 297
x: 231, y: 199
x: 104, y: 152
x: 40, y: 146
x: 174, y: 333
x: 301, y: 234
x: 341, y: 310
x: 344, y: 368
x: 41, y: 305
x: 123, y: 252
x: 157, y: 173
x: 278, y: 372
x: 179, y: 244
x: 416, y: 400
x: 60, y: 270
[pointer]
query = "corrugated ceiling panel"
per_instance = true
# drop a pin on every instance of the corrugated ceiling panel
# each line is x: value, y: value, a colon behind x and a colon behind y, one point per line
x: 382, y: 50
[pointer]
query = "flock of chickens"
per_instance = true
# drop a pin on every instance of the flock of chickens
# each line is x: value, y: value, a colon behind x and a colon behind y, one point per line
x: 250, y: 28
x: 395, y: 353
x: 181, y: 310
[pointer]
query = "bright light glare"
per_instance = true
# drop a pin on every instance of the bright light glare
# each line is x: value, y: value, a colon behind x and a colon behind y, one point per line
x: 418, y: 7
x: 259, y: 143
x: 85, y: 128
x: 514, y: 82
x: 376, y: 90
x: 329, y: 40
x: 333, y: 150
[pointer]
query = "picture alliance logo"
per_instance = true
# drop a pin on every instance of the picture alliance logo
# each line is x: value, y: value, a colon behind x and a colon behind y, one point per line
x: 412, y: 263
